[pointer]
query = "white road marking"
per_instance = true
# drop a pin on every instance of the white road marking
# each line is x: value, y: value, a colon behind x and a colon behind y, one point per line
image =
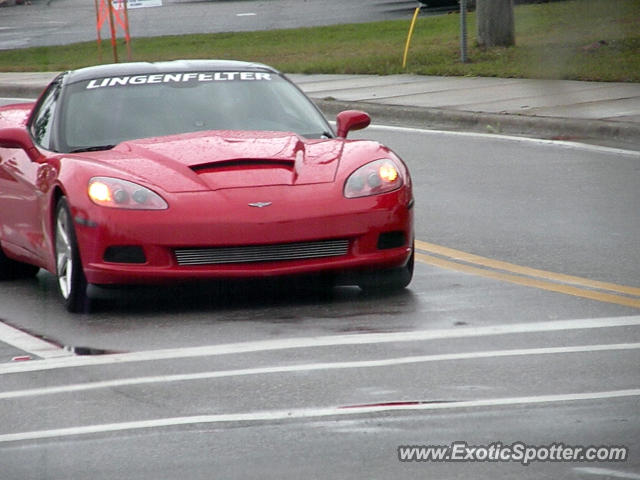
x: 314, y: 367
x: 30, y: 344
x: 607, y: 473
x: 302, y: 413
x: 248, y: 14
x: 513, y: 138
x: 19, y: 100
x: 320, y: 341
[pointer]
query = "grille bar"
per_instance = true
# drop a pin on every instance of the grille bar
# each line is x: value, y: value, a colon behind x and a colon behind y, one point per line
x: 261, y: 253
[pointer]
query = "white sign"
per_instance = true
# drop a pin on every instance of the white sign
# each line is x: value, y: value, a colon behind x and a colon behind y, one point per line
x: 143, y: 3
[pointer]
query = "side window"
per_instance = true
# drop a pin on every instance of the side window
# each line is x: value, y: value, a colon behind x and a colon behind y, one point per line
x: 42, y: 123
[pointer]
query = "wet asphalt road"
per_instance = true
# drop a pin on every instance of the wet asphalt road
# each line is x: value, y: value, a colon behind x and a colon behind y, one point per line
x: 251, y: 380
x: 69, y: 21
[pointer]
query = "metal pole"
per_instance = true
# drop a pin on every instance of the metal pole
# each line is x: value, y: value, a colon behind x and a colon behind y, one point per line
x: 98, y: 26
x: 406, y: 47
x: 112, y: 27
x: 127, y: 35
x: 463, y: 31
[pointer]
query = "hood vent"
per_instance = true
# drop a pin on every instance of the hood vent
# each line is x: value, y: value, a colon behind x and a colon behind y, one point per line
x: 242, y: 164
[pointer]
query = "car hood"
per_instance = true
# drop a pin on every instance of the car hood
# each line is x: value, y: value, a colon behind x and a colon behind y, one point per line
x: 230, y: 159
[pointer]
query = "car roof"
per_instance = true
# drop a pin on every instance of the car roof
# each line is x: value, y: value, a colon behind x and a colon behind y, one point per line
x: 175, y: 66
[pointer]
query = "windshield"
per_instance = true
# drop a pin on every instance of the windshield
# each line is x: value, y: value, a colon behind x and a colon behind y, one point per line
x: 106, y: 111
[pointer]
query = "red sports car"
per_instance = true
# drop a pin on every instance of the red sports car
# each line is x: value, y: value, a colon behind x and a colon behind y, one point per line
x: 186, y: 170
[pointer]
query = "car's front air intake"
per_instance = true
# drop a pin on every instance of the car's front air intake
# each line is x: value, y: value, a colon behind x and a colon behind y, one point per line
x: 261, y: 253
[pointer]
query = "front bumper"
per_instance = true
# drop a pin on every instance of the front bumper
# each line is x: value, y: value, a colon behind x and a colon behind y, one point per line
x: 225, y: 219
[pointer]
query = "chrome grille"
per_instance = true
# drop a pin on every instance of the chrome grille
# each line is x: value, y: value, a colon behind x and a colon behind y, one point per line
x: 261, y: 253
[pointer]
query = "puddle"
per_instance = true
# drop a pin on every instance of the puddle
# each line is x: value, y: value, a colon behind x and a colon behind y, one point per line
x: 80, y: 351
x: 31, y: 333
x: 399, y: 404
x: 84, y: 351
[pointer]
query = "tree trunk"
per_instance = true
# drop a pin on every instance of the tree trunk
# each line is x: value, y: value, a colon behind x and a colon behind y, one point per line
x: 495, y: 23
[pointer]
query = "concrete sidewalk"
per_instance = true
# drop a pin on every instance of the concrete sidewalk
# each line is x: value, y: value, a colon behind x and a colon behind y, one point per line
x: 546, y: 108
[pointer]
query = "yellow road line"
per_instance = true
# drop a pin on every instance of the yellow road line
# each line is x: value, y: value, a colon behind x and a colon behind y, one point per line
x: 533, y: 272
x: 529, y: 282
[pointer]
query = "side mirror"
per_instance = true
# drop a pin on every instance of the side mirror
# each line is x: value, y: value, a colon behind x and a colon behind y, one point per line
x: 351, y: 120
x: 19, y: 138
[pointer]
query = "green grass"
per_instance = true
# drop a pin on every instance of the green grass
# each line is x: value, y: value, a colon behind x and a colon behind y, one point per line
x: 577, y: 39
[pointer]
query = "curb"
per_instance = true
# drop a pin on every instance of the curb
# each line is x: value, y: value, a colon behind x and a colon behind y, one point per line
x: 19, y: 91
x: 548, y: 127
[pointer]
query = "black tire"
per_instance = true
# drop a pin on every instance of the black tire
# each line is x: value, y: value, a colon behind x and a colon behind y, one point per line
x: 388, y: 280
x: 72, y: 283
x: 13, y: 270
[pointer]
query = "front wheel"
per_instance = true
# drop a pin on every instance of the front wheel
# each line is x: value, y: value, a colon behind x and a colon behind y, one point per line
x: 388, y: 280
x: 72, y: 283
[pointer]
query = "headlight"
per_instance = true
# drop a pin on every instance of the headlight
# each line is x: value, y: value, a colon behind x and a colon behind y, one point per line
x: 116, y: 193
x: 380, y: 176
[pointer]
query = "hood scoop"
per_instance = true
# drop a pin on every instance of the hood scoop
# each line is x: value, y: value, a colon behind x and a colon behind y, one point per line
x: 257, y: 163
x: 234, y: 159
x: 247, y: 173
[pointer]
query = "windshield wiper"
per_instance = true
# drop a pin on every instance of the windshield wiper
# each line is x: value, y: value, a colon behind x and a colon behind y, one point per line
x: 95, y: 148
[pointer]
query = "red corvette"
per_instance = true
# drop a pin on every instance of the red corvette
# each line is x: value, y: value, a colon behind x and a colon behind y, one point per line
x: 163, y: 172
